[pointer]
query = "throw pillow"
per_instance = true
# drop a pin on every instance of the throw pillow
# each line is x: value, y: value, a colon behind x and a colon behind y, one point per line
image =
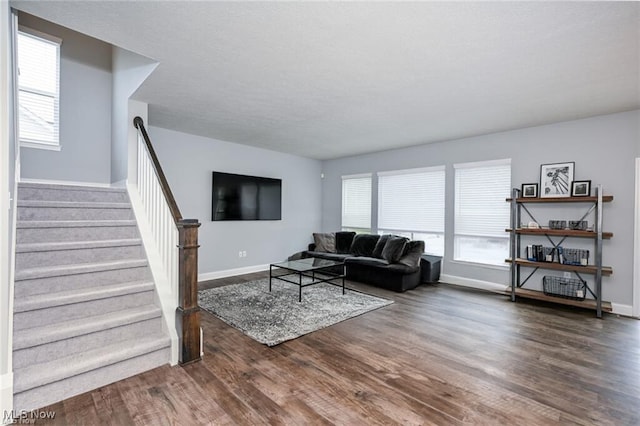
x: 393, y: 249
x: 377, y: 251
x: 363, y: 245
x: 325, y: 242
x: 412, y: 253
x: 343, y: 241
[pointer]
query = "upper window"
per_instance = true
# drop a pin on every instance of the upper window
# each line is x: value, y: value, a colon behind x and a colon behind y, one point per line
x: 411, y: 203
x: 38, y: 89
x: 356, y: 203
x: 481, y: 212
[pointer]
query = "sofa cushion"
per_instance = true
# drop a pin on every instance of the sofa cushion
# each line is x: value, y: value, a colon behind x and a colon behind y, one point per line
x: 328, y: 256
x: 377, y: 251
x: 413, y: 251
x: 367, y: 261
x: 393, y: 249
x: 325, y: 242
x: 363, y: 244
x: 343, y: 241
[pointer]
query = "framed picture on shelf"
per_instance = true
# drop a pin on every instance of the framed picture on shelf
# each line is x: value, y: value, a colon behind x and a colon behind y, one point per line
x: 529, y: 190
x: 555, y: 179
x: 581, y: 188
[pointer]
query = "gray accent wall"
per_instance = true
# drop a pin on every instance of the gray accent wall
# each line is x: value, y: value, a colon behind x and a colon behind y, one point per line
x: 603, y: 149
x: 85, y: 111
x: 188, y: 161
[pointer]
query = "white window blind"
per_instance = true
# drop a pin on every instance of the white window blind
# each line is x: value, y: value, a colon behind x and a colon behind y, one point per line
x: 38, y: 89
x: 481, y: 212
x: 412, y: 200
x: 356, y: 202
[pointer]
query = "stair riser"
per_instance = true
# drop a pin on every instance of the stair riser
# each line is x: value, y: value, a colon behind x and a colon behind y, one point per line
x: 45, y: 395
x: 56, y: 314
x: 69, y: 257
x: 54, y: 350
x: 81, y: 195
x: 79, y: 281
x: 82, y: 233
x: 73, y: 213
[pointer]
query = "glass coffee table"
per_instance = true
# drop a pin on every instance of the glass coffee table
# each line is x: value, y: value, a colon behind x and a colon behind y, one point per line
x: 318, y: 270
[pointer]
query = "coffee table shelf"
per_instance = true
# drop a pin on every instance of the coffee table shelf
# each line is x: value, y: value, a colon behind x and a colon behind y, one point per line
x: 318, y: 270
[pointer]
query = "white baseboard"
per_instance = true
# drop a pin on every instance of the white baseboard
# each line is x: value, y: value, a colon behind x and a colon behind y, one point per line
x: 617, y: 308
x: 6, y: 396
x: 620, y: 309
x: 231, y: 272
x: 468, y: 282
x: 65, y: 182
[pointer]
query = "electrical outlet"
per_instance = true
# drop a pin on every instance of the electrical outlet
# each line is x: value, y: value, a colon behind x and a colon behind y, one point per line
x: 244, y: 253
x: 240, y: 253
x: 567, y: 274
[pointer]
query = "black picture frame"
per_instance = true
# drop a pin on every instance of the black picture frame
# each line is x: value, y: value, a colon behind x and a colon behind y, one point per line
x: 555, y: 179
x: 581, y: 188
x: 529, y: 190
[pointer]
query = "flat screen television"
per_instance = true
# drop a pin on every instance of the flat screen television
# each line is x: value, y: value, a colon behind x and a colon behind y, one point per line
x: 240, y: 197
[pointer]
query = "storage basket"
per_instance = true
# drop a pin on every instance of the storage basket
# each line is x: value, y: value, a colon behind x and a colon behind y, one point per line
x: 580, y: 225
x: 557, y: 224
x: 566, y: 288
x: 573, y: 256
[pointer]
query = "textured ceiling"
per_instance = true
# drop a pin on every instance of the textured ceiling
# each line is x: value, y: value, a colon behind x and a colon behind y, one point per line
x: 327, y: 80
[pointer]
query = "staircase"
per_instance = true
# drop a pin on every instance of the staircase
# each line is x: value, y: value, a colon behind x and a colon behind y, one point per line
x: 84, y: 311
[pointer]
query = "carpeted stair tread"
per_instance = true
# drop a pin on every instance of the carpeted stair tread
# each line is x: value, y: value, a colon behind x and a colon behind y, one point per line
x: 63, y: 368
x: 81, y: 268
x: 76, y: 245
x: 69, y: 329
x: 48, y: 300
x: 28, y: 224
x: 73, y: 204
x: 63, y: 187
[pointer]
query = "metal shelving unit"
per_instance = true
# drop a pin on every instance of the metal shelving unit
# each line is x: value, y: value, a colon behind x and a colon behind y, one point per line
x: 517, y: 262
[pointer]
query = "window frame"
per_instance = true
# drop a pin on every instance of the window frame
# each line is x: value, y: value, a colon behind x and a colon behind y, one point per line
x: 412, y: 233
x: 57, y: 42
x: 356, y: 227
x: 489, y: 238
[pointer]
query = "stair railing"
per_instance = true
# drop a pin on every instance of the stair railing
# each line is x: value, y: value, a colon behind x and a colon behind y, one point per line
x: 176, y: 240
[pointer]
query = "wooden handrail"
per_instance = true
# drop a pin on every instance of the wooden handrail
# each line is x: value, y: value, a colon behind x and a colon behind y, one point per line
x: 188, y: 311
x: 168, y: 195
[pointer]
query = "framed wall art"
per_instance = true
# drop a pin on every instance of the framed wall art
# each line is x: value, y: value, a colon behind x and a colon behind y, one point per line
x: 581, y: 188
x: 555, y: 179
x: 529, y: 190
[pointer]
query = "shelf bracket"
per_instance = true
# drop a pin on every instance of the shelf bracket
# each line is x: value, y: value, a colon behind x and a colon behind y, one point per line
x: 527, y: 279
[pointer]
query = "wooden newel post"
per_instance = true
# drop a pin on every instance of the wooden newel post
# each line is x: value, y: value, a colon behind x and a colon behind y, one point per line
x: 188, y: 312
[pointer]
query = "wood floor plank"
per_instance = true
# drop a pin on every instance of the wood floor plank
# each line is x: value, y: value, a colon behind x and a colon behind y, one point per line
x: 439, y: 355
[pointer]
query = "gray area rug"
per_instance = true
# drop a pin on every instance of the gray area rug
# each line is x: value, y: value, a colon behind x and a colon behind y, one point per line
x: 273, y: 318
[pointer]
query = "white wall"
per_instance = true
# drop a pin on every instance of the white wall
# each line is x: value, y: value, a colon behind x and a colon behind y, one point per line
x: 188, y: 161
x: 85, y: 111
x: 6, y: 189
x: 129, y: 71
x: 602, y: 147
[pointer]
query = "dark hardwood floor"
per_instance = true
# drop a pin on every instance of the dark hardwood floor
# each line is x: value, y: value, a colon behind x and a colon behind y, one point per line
x: 440, y: 355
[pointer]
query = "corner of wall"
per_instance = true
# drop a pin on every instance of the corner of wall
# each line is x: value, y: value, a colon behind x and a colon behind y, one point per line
x: 129, y: 71
x: 636, y: 245
x: 6, y: 397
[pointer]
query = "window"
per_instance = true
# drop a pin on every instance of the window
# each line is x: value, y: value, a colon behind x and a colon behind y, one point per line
x: 38, y: 89
x: 481, y: 212
x: 411, y: 203
x: 356, y: 203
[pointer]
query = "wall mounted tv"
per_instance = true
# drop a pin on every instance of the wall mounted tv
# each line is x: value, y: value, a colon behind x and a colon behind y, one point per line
x: 240, y: 197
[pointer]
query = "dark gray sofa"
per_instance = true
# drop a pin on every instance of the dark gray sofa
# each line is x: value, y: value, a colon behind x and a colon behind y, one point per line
x: 399, y: 268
